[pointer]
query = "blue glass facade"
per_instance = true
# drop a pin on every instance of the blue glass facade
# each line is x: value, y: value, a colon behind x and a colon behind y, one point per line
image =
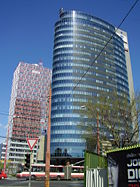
x: 78, y: 40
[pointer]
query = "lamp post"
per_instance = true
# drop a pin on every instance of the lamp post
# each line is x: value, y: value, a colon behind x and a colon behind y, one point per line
x: 47, y: 167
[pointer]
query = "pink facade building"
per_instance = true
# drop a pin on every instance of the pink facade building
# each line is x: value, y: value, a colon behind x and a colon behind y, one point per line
x: 28, y: 108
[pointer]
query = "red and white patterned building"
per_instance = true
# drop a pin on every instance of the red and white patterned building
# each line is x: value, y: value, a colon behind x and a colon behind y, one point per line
x: 28, y: 108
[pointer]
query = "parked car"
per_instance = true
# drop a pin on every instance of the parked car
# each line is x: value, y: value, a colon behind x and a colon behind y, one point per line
x: 3, y: 175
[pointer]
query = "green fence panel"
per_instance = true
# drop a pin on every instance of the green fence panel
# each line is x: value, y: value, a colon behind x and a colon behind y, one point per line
x: 93, y: 160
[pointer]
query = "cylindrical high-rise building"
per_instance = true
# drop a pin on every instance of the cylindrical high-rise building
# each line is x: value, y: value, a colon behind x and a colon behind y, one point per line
x: 78, y: 42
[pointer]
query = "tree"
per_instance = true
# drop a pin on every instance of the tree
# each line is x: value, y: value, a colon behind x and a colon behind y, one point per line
x: 88, y: 128
x: 1, y: 166
x: 118, y: 119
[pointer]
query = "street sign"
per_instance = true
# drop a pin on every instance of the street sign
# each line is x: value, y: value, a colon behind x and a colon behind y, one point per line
x: 31, y: 142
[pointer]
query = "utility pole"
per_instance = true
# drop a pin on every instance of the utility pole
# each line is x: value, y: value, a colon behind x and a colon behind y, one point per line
x: 47, y: 167
x: 98, y: 139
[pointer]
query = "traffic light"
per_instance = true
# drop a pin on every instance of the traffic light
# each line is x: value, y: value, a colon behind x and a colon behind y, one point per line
x: 27, y: 160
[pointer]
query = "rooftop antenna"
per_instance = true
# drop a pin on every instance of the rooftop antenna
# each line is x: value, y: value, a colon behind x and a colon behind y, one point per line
x: 40, y: 63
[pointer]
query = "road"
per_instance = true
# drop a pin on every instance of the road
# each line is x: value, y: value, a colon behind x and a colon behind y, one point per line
x: 21, y: 183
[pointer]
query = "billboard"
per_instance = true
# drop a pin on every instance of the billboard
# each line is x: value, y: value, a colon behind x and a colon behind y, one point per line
x: 124, y: 167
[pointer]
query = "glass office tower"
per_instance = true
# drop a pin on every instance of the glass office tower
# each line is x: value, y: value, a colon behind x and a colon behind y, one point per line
x: 82, y: 71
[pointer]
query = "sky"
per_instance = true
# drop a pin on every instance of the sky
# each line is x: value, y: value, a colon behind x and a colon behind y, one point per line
x: 27, y: 33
